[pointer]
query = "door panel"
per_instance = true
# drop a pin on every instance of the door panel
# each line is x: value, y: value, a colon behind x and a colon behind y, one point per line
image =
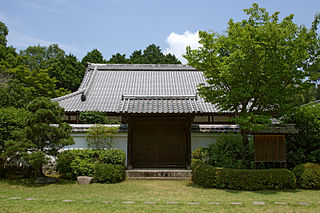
x: 159, y: 142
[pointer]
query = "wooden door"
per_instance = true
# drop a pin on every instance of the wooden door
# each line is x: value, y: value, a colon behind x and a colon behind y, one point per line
x: 159, y: 142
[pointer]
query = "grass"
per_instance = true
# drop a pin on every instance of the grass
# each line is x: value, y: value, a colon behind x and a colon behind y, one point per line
x: 140, y: 191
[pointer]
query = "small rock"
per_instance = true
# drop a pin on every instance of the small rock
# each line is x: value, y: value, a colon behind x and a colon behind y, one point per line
x: 214, y: 203
x: 304, y: 203
x: 258, y: 203
x: 106, y: 201
x: 171, y: 202
x: 84, y: 180
x: 280, y: 203
x: 236, y: 203
x: 14, y: 198
x: 194, y: 203
x: 30, y: 198
x: 67, y: 201
x: 149, y: 202
x: 128, y: 202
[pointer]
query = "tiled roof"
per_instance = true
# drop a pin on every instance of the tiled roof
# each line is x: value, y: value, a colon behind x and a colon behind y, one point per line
x: 162, y: 86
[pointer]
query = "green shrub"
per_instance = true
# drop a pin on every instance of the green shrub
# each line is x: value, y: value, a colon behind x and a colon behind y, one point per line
x: 201, y: 154
x: 95, y: 117
x: 109, y: 173
x: 242, y: 179
x: 308, y: 175
x: 229, y: 152
x: 73, y: 163
x: 304, y: 147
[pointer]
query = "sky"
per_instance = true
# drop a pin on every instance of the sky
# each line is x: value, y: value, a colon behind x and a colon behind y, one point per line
x: 122, y: 26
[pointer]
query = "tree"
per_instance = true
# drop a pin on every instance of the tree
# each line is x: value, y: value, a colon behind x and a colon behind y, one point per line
x: 11, y: 119
x: 3, y: 34
x: 94, y: 56
x: 38, y: 82
x: 304, y: 147
x: 255, y: 69
x: 118, y: 59
x: 44, y: 134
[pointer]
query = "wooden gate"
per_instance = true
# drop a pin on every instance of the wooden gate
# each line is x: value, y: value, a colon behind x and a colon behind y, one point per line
x: 159, y: 142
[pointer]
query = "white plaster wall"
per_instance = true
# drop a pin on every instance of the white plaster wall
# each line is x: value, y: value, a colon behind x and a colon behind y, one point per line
x: 203, y: 139
x: 80, y: 142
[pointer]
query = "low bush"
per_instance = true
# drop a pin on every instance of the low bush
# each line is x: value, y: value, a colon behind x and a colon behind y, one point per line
x: 206, y: 175
x: 308, y: 175
x: 229, y: 152
x: 108, y: 173
x: 73, y: 163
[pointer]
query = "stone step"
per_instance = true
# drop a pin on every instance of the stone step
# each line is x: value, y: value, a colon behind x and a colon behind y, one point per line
x: 158, y: 174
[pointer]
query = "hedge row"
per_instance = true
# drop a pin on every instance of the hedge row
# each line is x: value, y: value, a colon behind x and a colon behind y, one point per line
x: 73, y: 163
x: 206, y: 175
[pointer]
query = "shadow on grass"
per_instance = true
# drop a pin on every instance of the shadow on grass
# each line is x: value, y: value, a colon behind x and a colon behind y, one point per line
x: 263, y: 192
x: 32, y: 182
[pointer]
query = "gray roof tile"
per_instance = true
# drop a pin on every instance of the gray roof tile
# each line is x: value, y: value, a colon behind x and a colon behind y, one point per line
x: 105, y: 84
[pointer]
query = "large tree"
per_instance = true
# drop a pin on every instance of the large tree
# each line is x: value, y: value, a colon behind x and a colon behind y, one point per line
x: 43, y: 135
x: 256, y: 68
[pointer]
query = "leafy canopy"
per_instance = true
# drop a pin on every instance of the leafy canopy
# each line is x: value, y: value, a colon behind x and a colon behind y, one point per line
x: 256, y: 68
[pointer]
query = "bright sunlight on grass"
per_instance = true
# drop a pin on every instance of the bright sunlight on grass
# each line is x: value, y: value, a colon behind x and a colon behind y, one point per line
x: 164, y: 196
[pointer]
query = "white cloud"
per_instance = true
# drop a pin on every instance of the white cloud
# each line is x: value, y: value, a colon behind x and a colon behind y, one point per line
x: 21, y: 41
x: 178, y: 43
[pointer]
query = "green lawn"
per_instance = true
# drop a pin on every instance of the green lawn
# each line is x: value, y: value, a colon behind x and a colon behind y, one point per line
x: 139, y: 191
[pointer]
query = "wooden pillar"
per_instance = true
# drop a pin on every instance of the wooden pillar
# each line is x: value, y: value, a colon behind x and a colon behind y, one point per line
x: 129, y: 144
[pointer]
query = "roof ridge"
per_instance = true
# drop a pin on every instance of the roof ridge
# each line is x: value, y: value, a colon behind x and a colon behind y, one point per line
x: 181, y: 67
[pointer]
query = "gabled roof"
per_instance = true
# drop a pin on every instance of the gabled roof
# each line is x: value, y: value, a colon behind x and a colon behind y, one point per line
x: 138, y: 88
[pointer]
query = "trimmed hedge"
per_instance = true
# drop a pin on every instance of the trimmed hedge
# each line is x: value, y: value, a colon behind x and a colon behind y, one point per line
x: 308, y: 175
x: 206, y: 175
x: 73, y: 163
x: 108, y: 173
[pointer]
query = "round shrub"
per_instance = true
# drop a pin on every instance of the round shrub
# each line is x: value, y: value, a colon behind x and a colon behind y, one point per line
x: 108, y: 173
x: 73, y: 163
x: 308, y: 175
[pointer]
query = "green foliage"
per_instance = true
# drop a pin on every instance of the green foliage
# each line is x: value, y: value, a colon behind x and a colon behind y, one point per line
x: 242, y: 179
x: 304, y: 146
x: 100, y: 136
x: 11, y: 119
x: 201, y: 154
x: 44, y: 132
x: 308, y: 175
x: 109, y: 173
x: 73, y: 163
x: 257, y: 67
x: 3, y: 34
x: 94, y: 56
x: 118, y: 59
x: 93, y: 117
x: 65, y: 69
x: 151, y: 55
x: 229, y: 152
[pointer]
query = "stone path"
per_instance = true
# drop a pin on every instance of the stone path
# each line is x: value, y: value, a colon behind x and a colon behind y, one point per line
x: 257, y: 203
